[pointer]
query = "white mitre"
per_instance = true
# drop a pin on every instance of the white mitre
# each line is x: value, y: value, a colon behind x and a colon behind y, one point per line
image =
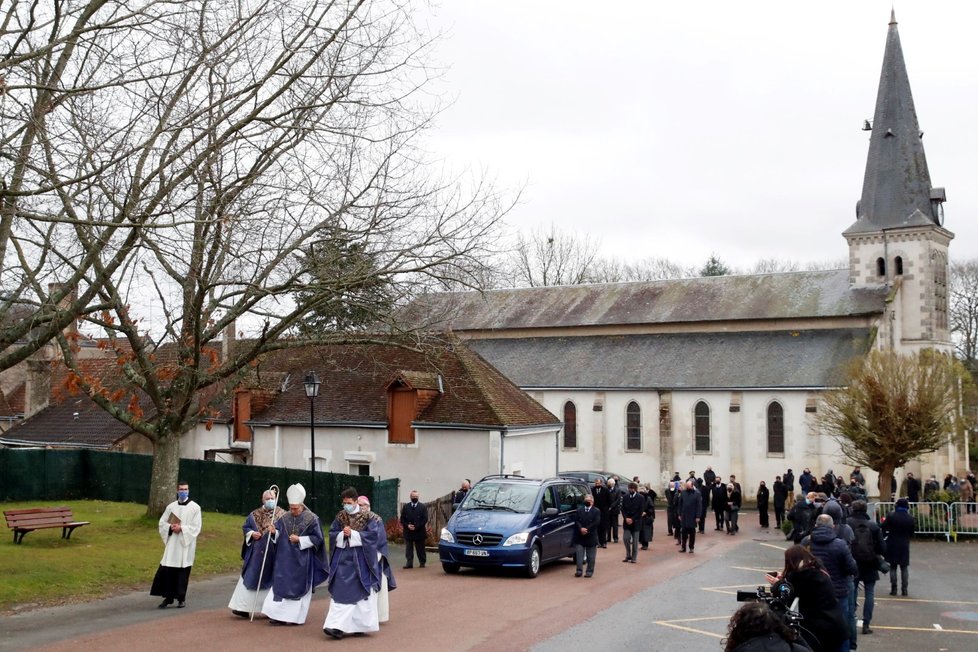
x: 296, y: 494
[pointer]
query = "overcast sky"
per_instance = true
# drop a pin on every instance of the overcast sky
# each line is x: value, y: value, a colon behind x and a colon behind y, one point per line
x: 677, y: 129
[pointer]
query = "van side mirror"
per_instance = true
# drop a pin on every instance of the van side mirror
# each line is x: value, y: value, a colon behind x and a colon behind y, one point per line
x: 551, y: 511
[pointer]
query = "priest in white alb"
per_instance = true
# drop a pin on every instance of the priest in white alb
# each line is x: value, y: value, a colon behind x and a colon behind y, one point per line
x: 258, y: 556
x: 179, y: 527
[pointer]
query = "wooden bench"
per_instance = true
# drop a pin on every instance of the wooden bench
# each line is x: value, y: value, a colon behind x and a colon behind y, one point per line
x: 22, y: 521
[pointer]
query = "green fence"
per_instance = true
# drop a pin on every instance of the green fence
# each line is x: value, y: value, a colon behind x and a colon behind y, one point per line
x: 36, y: 474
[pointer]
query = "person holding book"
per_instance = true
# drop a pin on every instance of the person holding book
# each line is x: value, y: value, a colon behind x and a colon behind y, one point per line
x: 179, y: 527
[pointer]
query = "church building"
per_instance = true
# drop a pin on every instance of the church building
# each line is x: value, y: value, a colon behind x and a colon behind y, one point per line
x: 655, y: 377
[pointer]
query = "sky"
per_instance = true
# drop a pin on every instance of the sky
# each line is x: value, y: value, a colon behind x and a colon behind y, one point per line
x: 682, y: 129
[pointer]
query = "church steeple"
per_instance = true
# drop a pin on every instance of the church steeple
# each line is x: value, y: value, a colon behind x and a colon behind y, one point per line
x: 896, y: 186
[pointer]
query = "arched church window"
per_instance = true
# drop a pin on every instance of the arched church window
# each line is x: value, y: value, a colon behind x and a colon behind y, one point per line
x: 633, y: 427
x: 775, y: 428
x: 880, y: 267
x: 570, y: 425
x: 898, y: 265
x: 701, y: 427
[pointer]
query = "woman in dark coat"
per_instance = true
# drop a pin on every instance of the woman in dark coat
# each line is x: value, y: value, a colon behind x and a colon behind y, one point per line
x: 763, y: 498
x: 824, y: 626
x: 780, y: 498
x: 898, y: 526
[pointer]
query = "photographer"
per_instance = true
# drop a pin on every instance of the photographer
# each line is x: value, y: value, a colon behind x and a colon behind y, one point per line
x: 825, y: 627
x: 756, y: 628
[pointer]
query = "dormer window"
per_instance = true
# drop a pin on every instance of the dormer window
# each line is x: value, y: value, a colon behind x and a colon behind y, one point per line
x: 409, y: 394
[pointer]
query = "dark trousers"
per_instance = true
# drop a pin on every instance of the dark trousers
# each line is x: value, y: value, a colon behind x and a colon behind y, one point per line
x: 603, y: 528
x: 410, y: 546
x: 582, y: 552
x: 689, y: 537
x: 765, y: 522
x: 611, y: 533
x: 718, y: 515
x: 778, y: 516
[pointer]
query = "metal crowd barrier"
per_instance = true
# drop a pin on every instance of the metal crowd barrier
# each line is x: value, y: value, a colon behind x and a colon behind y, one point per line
x: 965, y: 519
x: 930, y: 518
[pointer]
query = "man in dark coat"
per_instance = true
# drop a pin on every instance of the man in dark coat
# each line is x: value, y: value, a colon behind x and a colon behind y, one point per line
x: 602, y: 500
x: 648, y: 518
x: 718, y: 498
x: 690, y: 508
x: 763, y: 499
x: 780, y: 491
x: 838, y: 562
x: 705, y: 491
x: 898, y: 526
x: 913, y: 488
x: 632, y: 509
x: 806, y: 481
x: 587, y: 521
x: 709, y: 476
x: 789, y: 484
x: 414, y: 522
x: 802, y: 515
x: 614, y: 511
x: 868, y: 574
x: 671, y: 491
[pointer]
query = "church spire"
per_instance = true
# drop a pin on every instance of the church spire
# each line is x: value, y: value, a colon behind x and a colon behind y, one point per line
x: 896, y: 187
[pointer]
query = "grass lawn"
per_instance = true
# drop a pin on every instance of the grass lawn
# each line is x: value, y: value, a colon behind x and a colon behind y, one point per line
x: 120, y: 550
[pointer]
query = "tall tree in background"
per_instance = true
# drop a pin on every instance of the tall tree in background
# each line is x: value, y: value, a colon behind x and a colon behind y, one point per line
x: 893, y: 409
x: 549, y: 257
x: 963, y: 299
x: 196, y: 166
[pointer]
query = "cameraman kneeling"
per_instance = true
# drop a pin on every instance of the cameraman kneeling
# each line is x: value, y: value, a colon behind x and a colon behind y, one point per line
x: 756, y: 628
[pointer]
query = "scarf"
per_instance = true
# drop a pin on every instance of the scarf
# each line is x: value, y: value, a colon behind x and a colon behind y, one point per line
x: 357, y: 521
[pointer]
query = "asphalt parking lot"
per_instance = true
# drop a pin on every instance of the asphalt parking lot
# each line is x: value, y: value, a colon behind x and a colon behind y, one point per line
x: 690, y: 612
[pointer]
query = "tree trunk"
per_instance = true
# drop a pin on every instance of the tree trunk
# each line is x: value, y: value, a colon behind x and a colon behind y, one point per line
x: 163, y: 480
x: 886, y: 484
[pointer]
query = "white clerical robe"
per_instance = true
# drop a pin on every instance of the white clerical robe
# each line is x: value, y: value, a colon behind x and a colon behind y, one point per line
x: 180, y: 547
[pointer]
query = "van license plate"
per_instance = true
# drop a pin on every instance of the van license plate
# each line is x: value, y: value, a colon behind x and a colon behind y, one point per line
x: 477, y: 553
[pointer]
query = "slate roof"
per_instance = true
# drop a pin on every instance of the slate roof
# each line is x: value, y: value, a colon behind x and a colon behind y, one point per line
x: 354, y: 379
x: 793, y: 295
x: 76, y: 421
x: 896, y: 186
x: 738, y: 360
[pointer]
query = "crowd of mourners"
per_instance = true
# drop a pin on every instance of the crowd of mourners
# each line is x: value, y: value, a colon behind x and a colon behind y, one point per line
x: 838, y: 548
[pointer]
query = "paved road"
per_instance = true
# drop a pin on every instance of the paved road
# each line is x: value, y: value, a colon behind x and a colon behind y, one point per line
x: 668, y: 601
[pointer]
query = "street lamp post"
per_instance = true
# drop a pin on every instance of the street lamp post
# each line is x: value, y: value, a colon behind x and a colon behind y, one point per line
x: 311, y: 384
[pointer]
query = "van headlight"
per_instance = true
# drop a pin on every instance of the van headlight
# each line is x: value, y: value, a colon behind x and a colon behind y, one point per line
x: 446, y: 536
x: 517, y: 539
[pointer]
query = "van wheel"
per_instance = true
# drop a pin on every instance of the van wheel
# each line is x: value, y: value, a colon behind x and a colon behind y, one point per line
x: 533, y: 566
x: 449, y: 568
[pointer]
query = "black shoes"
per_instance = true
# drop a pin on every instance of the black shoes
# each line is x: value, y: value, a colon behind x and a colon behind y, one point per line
x: 578, y: 573
x: 904, y: 593
x: 867, y: 630
x: 406, y: 566
x: 334, y: 633
x: 168, y: 601
x: 682, y: 550
x: 588, y: 574
x: 181, y: 604
x: 240, y: 614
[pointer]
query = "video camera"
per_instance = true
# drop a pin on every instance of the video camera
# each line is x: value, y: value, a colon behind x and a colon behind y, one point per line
x: 779, y: 598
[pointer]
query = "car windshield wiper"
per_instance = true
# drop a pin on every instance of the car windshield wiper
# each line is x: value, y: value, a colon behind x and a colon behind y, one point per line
x: 506, y: 507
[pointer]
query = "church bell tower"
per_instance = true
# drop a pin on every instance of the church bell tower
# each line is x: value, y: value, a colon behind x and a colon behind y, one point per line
x: 898, y: 239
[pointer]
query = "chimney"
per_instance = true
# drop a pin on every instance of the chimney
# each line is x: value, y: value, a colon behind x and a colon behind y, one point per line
x: 37, y: 388
x: 227, y: 341
x: 65, y: 304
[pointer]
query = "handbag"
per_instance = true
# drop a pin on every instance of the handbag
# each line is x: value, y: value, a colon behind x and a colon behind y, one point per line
x: 882, y: 565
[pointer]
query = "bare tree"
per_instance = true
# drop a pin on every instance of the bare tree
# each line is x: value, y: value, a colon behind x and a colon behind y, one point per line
x: 893, y: 409
x: 964, y: 310
x: 615, y: 270
x: 548, y: 257
x: 198, y: 155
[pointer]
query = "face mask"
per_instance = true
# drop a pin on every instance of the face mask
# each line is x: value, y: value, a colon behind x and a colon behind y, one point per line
x: 414, y: 501
x: 349, y: 508
x: 183, y: 495
x: 269, y: 504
